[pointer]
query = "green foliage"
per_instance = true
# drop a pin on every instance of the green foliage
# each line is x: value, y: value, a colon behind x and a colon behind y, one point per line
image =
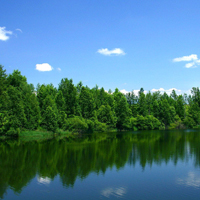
x: 180, y: 108
x: 90, y: 124
x: 31, y: 109
x: 61, y: 118
x: 189, y: 122
x: 100, y: 127
x: 16, y: 79
x: 3, y: 80
x: 167, y: 112
x: 144, y: 123
x: 13, y: 132
x: 142, y: 103
x: 122, y: 110
x: 4, y: 123
x: 90, y: 109
x: 192, y: 117
x: 86, y: 103
x: 69, y: 92
x: 106, y: 115
x: 196, y: 95
x: 162, y: 126
x: 60, y: 101
x: 50, y: 119
x: 16, y: 114
x: 176, y: 124
x: 76, y: 124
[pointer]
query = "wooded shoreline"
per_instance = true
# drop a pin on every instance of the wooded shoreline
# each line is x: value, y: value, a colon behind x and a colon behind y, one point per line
x: 76, y: 108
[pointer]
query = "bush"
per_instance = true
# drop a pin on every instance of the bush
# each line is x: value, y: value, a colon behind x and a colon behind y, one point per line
x: 189, y: 122
x: 13, y: 132
x: 4, y: 123
x: 100, y: 127
x: 177, y: 124
x: 75, y: 124
x: 162, y: 126
x: 144, y: 123
x: 90, y: 124
x: 59, y: 131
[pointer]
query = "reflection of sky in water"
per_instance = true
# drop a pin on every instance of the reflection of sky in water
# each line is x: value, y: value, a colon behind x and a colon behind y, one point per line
x: 42, y: 180
x: 192, y: 180
x: 191, y: 130
x: 118, y: 192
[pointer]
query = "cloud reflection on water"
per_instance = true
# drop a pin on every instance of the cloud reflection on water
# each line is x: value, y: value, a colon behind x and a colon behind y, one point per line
x: 118, y: 192
x: 191, y: 180
x: 44, y: 181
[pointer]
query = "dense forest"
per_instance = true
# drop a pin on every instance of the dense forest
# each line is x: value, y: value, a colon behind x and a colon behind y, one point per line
x: 77, y: 108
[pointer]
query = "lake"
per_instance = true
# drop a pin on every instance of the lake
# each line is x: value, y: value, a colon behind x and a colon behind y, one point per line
x: 127, y: 165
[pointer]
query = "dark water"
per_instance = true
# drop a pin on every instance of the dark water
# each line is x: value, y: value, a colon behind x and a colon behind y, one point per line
x: 144, y: 165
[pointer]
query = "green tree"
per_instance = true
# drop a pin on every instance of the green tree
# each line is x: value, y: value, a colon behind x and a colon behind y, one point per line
x: 86, y: 103
x: 3, y: 80
x: 180, y: 107
x: 122, y: 111
x: 50, y: 119
x: 106, y: 115
x: 17, y: 118
x: 70, y: 96
x: 142, y: 103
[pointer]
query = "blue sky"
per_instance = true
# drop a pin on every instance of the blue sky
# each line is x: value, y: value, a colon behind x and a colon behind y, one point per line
x: 126, y: 44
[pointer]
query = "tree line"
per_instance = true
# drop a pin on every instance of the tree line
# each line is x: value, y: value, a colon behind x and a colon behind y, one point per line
x: 78, y: 108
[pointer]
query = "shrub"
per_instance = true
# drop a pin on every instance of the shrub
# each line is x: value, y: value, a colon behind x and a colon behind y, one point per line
x: 100, y: 127
x: 90, y: 124
x: 75, y: 124
x: 13, y: 132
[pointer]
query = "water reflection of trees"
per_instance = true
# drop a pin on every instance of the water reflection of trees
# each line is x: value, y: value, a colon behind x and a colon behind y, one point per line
x: 76, y: 158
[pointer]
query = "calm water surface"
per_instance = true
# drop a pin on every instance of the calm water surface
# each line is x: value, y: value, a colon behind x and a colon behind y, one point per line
x: 144, y: 165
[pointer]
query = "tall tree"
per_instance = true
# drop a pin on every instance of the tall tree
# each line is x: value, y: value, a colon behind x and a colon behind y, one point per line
x: 70, y: 95
x: 122, y: 110
x: 86, y: 103
x: 3, y: 80
x: 142, y: 103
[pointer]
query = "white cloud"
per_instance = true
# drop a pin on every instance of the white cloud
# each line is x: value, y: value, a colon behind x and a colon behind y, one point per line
x: 169, y: 91
x: 116, y: 51
x: 134, y: 91
x: 44, y: 67
x: 189, y: 65
x: 18, y: 29
x: 156, y: 90
x: 192, y: 57
x: 4, y: 34
x: 58, y: 69
x: 186, y: 58
x: 124, y: 91
x: 162, y: 90
x: 198, y: 62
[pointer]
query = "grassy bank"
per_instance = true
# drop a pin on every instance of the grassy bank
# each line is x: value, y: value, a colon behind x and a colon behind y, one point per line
x: 42, y: 134
x: 38, y: 135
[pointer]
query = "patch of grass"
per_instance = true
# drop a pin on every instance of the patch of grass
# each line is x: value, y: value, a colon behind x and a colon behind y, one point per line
x: 61, y: 132
x: 41, y: 134
x: 34, y: 133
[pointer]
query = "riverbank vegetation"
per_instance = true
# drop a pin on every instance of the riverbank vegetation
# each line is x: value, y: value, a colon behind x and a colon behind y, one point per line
x: 73, y: 108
